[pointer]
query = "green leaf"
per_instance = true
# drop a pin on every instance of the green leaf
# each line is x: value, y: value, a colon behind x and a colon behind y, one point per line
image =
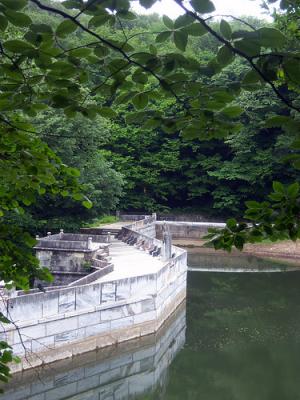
x: 84, y: 52
x: 163, y: 36
x: 41, y: 28
x: 17, y: 46
x: 99, y: 20
x: 292, y: 70
x: 101, y: 51
x: 231, y: 223
x: 225, y: 29
x: 271, y: 37
x: 203, y: 6
x: 293, y: 190
x: 147, y: 3
x: 180, y: 40
x: 195, y: 29
x: 140, y: 77
x: 183, y: 20
x: 278, y: 187
x: 3, y: 23
x: 65, y: 28
x: 14, y: 4
x: 87, y: 204
x: 72, y: 4
x: 225, y: 55
x: 251, y: 77
x: 168, y: 22
x: 250, y: 47
x: 107, y: 112
x: 232, y: 111
x: 18, y: 19
x: 127, y: 15
x: 140, y: 101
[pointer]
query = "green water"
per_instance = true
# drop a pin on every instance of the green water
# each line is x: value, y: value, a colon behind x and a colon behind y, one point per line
x: 243, y: 339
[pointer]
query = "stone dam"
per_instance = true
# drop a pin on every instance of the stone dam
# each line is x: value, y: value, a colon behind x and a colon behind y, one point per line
x: 106, y: 290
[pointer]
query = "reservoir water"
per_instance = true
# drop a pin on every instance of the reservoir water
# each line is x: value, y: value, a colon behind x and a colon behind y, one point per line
x: 237, y: 338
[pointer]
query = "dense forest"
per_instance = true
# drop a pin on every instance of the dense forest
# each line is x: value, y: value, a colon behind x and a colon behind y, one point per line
x: 131, y: 164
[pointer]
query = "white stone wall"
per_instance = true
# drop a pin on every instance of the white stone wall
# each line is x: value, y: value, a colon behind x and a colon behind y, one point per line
x: 68, y: 321
x: 125, y: 372
x: 49, y: 321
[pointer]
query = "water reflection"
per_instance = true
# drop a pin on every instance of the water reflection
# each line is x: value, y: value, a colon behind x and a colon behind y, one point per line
x: 124, y: 372
x: 243, y: 339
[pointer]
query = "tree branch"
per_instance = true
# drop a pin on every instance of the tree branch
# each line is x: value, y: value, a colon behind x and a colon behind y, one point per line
x: 238, y: 52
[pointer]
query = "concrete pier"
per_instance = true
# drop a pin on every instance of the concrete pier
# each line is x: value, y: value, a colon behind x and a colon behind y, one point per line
x: 132, y: 300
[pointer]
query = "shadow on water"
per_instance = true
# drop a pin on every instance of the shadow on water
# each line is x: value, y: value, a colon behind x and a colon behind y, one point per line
x: 242, y: 343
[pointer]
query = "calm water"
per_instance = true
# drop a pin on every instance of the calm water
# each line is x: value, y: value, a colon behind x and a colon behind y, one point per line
x: 242, y: 342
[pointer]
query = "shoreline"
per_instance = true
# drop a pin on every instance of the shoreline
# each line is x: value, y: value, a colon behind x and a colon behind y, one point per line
x: 285, y: 251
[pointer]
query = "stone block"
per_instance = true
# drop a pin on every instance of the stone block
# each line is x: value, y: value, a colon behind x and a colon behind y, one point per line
x: 88, y: 383
x: 121, y: 323
x: 96, y: 369
x: 61, y: 325
x: 97, y: 329
x: 108, y: 293
x: 145, y: 317
x: 41, y: 385
x: 66, y: 300
x: 50, y: 304
x: 88, y: 344
x: 25, y: 308
x: 105, y: 340
x: 42, y: 344
x: 88, y: 296
x: 18, y: 394
x: 69, y: 336
x: 88, y: 319
x: 123, y: 291
x: 63, y: 378
x: 31, y: 332
x: 57, y: 354
x: 142, y: 286
x: 121, y: 360
x: 66, y: 391
x: 114, y: 313
x: 110, y: 376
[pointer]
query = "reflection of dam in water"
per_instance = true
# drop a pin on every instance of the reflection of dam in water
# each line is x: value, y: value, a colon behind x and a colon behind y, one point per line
x: 113, y: 373
x: 205, y: 262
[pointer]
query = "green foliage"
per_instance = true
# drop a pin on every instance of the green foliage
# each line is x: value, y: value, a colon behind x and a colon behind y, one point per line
x: 275, y: 219
x: 106, y: 219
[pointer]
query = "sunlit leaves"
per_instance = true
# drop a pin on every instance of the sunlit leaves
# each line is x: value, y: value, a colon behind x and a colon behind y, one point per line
x: 225, y: 29
x: 180, y: 40
x: 225, y: 55
x: 65, y: 28
x: 195, y: 29
x: 271, y: 37
x: 163, y: 36
x: 19, y: 19
x: 99, y: 20
x: 168, y: 22
x: 140, y: 101
x: 14, y: 4
x: 203, y: 6
x: 17, y: 46
x: 3, y: 23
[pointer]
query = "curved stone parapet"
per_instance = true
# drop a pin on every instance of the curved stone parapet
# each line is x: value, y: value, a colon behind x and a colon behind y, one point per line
x: 132, y: 301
